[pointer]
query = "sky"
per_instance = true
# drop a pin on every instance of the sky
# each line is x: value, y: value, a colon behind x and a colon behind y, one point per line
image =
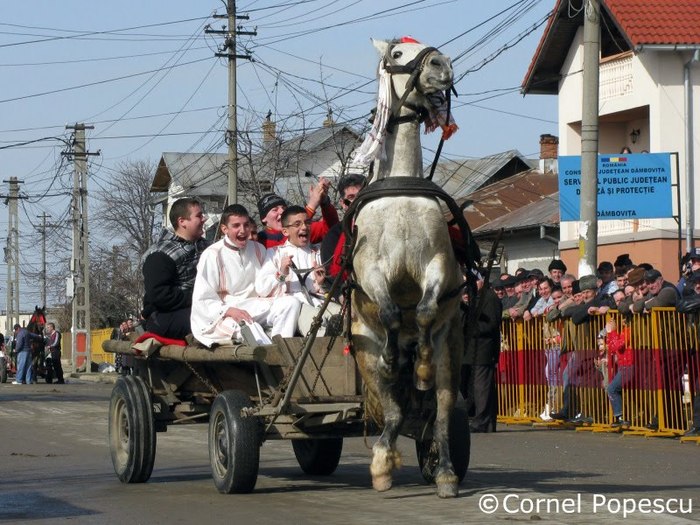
x: 145, y: 75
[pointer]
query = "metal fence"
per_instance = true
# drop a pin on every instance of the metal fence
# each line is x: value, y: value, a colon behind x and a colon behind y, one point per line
x: 553, y: 367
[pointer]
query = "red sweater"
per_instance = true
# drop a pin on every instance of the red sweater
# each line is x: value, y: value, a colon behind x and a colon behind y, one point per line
x: 617, y: 345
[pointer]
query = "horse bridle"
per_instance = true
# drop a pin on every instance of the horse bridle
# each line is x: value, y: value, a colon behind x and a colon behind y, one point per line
x: 414, y: 68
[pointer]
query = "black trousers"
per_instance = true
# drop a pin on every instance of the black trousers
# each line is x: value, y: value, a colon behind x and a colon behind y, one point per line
x: 175, y: 325
x: 56, y: 365
x: 478, y: 386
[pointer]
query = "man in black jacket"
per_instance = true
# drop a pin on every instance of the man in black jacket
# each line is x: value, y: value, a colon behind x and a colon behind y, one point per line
x: 169, y: 269
x: 482, y: 347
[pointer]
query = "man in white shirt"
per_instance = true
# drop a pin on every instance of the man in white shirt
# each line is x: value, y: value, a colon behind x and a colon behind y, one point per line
x: 224, y: 291
x: 278, y: 278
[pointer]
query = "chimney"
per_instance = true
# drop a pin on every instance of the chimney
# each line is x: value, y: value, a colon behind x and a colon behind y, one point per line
x: 549, y: 152
x: 269, y: 129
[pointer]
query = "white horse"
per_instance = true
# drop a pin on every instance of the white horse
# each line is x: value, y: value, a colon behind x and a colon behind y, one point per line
x: 405, y: 303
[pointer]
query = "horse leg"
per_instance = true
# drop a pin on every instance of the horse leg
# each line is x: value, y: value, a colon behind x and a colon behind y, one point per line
x: 385, y: 456
x: 390, y: 318
x: 426, y: 315
x: 447, y: 379
x: 426, y: 312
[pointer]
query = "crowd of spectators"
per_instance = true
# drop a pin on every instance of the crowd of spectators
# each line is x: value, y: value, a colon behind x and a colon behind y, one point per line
x: 621, y: 286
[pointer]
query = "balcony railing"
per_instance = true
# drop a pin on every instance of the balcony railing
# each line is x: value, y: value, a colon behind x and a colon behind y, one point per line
x: 616, y: 77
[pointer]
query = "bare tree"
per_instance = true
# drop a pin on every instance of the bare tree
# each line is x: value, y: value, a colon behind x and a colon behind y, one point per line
x: 130, y: 224
x: 126, y: 211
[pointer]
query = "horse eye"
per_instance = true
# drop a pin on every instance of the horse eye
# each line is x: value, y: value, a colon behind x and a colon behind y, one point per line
x: 396, y: 55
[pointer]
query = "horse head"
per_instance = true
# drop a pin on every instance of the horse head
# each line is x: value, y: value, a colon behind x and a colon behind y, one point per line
x: 414, y: 87
x: 37, y: 321
x: 419, y: 74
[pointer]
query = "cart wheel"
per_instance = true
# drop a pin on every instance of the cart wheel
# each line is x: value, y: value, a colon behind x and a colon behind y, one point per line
x: 318, y: 457
x: 132, y: 435
x: 460, y: 446
x: 234, y: 444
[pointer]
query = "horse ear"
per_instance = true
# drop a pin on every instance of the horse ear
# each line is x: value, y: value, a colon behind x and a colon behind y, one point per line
x: 381, y: 45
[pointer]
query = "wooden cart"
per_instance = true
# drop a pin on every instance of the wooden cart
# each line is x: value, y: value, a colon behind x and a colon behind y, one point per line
x: 311, y: 394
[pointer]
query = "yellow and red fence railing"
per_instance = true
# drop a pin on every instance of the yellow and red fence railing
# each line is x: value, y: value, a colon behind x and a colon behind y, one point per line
x: 559, y: 367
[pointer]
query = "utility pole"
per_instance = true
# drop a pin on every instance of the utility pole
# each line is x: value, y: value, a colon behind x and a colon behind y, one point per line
x: 588, y: 224
x: 42, y: 280
x: 80, y: 262
x: 12, y: 255
x: 229, y: 51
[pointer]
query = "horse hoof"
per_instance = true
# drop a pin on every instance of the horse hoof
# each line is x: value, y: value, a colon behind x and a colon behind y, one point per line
x: 447, y: 485
x: 381, y: 483
x: 447, y: 490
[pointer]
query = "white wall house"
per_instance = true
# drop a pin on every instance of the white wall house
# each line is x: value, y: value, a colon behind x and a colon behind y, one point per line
x: 648, y: 72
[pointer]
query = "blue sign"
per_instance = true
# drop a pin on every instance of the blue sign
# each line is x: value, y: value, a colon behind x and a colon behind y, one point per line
x: 630, y: 186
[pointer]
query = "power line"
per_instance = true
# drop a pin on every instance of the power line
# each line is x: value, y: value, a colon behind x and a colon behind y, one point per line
x: 99, y: 82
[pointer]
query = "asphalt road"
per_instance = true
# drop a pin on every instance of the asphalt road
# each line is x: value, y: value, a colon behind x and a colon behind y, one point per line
x: 56, y: 468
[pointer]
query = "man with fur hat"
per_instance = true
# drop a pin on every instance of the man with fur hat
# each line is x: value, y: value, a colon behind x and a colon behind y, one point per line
x: 623, y: 263
x: 556, y: 270
x: 271, y: 206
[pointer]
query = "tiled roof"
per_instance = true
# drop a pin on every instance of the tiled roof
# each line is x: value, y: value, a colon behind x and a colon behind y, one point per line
x: 669, y: 22
x: 638, y: 22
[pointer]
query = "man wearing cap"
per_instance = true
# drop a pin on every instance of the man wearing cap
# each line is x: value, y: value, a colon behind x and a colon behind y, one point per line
x: 556, y: 270
x: 525, y: 282
x: 606, y: 274
x: 511, y: 296
x: 499, y: 289
x: 691, y: 269
x: 271, y: 206
x: 481, y: 352
x: 661, y: 293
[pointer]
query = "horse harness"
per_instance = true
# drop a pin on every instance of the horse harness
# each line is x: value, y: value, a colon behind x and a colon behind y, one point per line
x: 409, y: 187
